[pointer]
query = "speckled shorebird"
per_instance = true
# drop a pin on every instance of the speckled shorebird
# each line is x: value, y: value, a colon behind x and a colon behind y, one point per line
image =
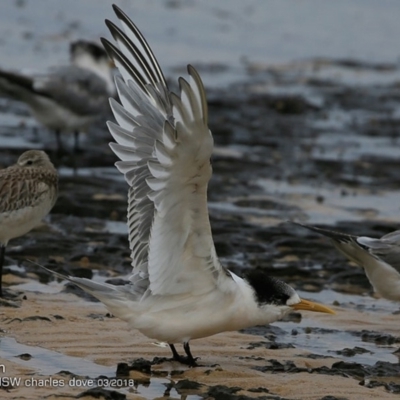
x: 66, y: 98
x: 178, y: 291
x: 380, y: 258
x: 28, y: 191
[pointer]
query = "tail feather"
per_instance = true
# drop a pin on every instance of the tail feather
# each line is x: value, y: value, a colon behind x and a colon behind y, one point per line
x: 15, y: 85
x: 118, y: 299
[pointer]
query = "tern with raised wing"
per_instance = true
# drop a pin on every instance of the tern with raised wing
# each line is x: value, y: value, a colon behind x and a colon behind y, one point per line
x: 380, y: 258
x: 178, y: 291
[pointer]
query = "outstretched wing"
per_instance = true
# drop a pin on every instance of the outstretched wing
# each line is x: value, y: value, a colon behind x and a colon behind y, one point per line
x: 164, y: 145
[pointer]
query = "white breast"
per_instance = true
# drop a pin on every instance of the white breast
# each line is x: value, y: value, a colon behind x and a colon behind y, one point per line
x: 19, y: 222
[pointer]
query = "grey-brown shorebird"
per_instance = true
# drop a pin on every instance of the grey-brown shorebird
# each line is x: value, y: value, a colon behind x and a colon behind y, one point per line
x: 28, y: 191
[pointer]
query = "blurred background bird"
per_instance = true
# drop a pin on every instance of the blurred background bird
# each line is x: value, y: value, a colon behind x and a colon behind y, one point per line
x: 66, y: 98
x: 380, y: 258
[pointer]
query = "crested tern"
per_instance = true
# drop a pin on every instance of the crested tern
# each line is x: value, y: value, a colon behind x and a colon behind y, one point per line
x: 66, y: 98
x: 380, y: 258
x: 178, y: 290
x: 28, y: 191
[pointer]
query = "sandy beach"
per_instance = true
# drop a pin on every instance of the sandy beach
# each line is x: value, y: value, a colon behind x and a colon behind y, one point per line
x: 59, y: 325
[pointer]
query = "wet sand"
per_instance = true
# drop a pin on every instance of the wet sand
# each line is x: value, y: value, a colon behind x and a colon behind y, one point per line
x: 65, y: 324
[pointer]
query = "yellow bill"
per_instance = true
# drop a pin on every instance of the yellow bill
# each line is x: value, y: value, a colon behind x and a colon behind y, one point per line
x: 311, y: 306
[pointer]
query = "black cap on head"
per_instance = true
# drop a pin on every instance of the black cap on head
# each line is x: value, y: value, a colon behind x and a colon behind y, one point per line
x: 84, y: 46
x: 269, y: 290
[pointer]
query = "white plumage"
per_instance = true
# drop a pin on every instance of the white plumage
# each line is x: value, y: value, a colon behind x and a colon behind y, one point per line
x: 178, y: 290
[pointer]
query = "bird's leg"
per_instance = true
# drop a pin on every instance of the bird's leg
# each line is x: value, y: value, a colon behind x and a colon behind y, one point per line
x: 59, y: 142
x: 175, y: 354
x: 76, y: 142
x: 188, y: 360
x: 2, y: 253
x: 35, y: 134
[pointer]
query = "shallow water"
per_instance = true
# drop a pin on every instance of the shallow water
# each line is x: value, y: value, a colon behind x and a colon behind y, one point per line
x: 225, y: 38
x: 79, y: 372
x: 48, y: 362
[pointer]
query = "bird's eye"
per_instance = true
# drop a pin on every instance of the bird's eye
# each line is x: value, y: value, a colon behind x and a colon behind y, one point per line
x: 29, y: 162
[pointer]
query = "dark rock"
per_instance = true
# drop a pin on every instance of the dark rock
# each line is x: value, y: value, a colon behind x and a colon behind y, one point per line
x: 100, y: 393
x: 269, y: 345
x: 186, y: 384
x: 140, y: 364
x: 25, y: 356
x: 36, y: 318
x: 352, y: 352
x: 276, y: 367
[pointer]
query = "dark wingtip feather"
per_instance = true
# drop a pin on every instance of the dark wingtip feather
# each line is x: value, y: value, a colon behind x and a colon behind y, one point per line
x: 112, y: 28
x: 115, y: 54
x: 158, y: 74
x: 109, y: 23
x: 108, y: 47
x: 119, y: 13
x: 338, y: 236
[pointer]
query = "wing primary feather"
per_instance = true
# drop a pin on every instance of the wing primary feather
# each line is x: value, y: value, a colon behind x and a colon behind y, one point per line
x: 124, y: 65
x: 180, y: 113
x: 200, y: 92
x: 157, y: 170
x: 126, y: 153
x: 132, y: 27
x: 162, y: 153
x: 189, y: 101
x: 169, y: 136
x: 123, y: 117
x: 120, y: 135
x: 132, y: 49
